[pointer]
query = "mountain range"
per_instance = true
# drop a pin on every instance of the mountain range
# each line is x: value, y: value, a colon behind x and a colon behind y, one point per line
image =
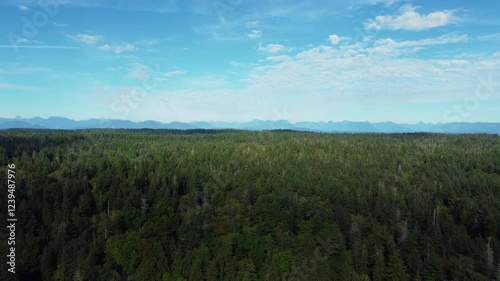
x: 254, y: 125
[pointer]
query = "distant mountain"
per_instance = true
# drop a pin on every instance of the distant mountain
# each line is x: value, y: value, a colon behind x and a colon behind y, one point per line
x: 203, y: 125
x: 15, y: 124
x: 258, y: 125
x: 180, y: 126
x: 54, y: 122
x: 254, y: 125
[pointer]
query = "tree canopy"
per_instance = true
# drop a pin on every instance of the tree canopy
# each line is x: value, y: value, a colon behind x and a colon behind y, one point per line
x: 236, y: 205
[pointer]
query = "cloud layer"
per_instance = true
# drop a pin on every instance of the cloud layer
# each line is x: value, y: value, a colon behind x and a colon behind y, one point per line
x: 410, y: 19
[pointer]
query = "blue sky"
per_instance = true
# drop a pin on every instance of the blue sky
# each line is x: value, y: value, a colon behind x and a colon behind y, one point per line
x: 239, y: 60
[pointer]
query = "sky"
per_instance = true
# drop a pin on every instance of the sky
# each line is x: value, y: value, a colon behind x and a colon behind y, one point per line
x: 239, y: 60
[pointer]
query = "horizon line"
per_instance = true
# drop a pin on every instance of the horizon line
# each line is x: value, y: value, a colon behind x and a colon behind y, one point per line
x: 265, y: 120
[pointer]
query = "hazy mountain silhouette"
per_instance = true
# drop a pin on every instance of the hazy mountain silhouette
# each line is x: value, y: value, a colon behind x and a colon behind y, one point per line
x: 255, y: 125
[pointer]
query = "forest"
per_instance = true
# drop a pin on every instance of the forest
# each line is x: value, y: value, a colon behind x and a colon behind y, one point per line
x: 238, y: 205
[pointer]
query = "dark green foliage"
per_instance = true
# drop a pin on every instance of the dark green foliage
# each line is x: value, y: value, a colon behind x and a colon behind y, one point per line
x: 231, y: 205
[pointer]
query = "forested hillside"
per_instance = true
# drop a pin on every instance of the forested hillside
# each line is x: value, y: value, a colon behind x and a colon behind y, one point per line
x: 230, y: 205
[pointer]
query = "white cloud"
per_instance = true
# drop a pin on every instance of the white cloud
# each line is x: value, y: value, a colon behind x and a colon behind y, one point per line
x: 23, y: 8
x: 279, y: 58
x: 329, y: 82
x: 86, y: 38
x: 142, y: 72
x: 335, y: 39
x: 255, y: 34
x: 441, y: 40
x: 362, y: 71
x: 452, y: 62
x: 410, y: 19
x: 390, y: 47
x: 174, y: 73
x: 271, y: 48
x: 488, y: 37
x: 118, y: 48
x: 59, y: 24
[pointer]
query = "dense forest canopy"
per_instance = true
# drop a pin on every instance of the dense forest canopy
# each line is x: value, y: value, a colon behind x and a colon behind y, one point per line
x: 235, y: 205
